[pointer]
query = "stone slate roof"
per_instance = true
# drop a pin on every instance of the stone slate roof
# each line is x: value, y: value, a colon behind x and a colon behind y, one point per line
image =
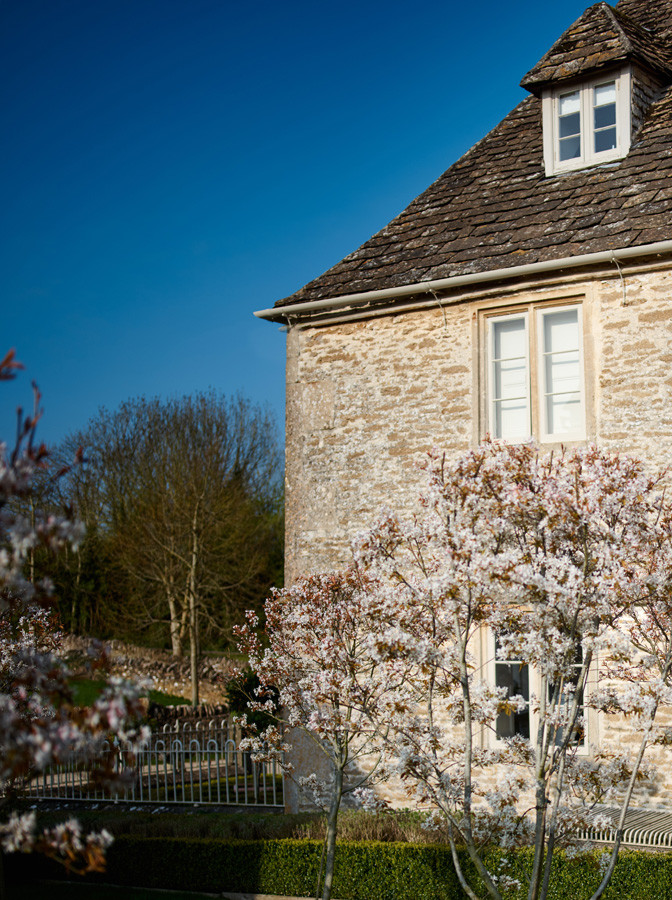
x: 601, y: 37
x: 495, y: 208
x: 653, y: 15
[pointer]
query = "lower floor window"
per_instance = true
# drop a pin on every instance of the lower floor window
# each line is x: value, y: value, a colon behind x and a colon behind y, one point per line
x: 513, y: 675
x: 517, y: 678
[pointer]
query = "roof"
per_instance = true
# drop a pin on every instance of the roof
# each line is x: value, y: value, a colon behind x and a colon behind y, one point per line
x: 654, y: 15
x: 601, y: 37
x: 495, y: 208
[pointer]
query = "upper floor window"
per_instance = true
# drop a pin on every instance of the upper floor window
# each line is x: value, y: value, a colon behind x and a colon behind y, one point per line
x: 535, y: 374
x: 587, y: 124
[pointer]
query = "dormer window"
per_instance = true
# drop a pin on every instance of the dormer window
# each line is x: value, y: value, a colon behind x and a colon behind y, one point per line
x: 587, y: 124
x: 602, y: 120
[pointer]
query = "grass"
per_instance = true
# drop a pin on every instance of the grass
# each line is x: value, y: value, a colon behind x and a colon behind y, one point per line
x: 353, y: 825
x: 87, y: 690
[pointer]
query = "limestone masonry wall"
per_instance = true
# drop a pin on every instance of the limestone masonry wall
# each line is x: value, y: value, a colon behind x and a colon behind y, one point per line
x: 366, y: 399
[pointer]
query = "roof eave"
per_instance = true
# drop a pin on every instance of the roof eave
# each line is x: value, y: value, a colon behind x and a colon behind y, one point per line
x: 376, y: 298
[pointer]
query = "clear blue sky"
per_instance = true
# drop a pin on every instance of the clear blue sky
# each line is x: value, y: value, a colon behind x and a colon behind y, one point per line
x: 169, y: 166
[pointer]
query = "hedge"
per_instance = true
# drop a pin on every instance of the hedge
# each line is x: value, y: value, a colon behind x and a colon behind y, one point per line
x: 364, y: 870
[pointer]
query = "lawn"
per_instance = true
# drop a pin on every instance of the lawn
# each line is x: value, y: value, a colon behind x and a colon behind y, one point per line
x: 87, y: 690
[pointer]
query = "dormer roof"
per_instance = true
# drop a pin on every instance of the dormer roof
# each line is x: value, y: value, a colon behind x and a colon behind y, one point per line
x: 601, y: 38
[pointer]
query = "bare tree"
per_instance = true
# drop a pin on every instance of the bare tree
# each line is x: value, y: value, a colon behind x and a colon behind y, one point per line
x: 187, y: 494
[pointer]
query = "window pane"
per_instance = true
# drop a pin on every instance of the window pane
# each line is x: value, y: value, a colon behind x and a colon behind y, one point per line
x: 510, y: 378
x: 562, y: 371
x: 605, y: 140
x: 569, y: 103
x: 604, y: 93
x: 570, y: 148
x: 511, y: 419
x: 510, y: 338
x: 570, y: 125
x: 603, y: 116
x: 563, y: 414
x: 561, y: 331
x: 510, y: 392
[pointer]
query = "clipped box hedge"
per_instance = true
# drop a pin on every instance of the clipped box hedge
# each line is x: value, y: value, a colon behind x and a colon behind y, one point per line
x: 364, y: 870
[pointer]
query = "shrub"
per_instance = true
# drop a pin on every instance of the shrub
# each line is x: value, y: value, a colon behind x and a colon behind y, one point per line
x: 365, y: 870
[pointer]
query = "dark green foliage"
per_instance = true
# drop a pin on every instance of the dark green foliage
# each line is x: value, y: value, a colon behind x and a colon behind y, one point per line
x: 241, y: 690
x: 364, y: 871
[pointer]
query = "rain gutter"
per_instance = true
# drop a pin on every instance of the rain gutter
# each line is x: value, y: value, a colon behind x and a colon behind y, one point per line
x: 441, y: 284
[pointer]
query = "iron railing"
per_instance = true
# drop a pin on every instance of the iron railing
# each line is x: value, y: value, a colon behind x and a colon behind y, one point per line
x: 182, y: 764
x: 646, y: 829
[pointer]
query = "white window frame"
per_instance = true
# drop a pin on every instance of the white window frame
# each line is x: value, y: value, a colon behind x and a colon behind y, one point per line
x: 546, y: 436
x: 533, y: 315
x: 493, y: 320
x: 588, y: 157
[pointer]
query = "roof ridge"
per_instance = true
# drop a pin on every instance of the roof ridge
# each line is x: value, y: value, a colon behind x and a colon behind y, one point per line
x: 653, y: 49
x: 611, y: 12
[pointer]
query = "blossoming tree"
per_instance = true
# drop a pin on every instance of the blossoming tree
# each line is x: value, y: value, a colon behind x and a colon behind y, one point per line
x: 40, y: 724
x: 523, y: 576
x: 318, y: 652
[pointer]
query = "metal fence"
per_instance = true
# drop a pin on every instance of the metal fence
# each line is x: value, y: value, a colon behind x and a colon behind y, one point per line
x: 179, y: 764
x: 647, y: 829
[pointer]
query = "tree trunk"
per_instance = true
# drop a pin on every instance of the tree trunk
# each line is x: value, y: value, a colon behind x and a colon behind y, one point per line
x: 193, y: 611
x: 193, y: 651
x: 31, y: 554
x: 78, y: 594
x: 332, y: 822
x: 175, y: 636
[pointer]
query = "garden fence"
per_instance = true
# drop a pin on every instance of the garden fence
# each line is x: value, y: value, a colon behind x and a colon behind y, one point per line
x: 182, y: 763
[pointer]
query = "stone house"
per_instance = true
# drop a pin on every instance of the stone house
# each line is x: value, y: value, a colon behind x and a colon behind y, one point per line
x: 526, y: 293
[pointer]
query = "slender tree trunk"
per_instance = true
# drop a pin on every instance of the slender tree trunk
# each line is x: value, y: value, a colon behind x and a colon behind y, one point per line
x: 78, y: 592
x: 175, y: 635
x: 332, y: 823
x: 193, y: 611
x: 184, y: 620
x: 193, y: 651
x: 541, y: 751
x: 32, y: 549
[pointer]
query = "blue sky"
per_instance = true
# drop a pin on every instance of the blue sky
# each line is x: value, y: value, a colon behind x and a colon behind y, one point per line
x: 169, y: 166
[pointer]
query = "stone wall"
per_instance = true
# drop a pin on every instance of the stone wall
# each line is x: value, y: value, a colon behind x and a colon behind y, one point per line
x: 366, y: 399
